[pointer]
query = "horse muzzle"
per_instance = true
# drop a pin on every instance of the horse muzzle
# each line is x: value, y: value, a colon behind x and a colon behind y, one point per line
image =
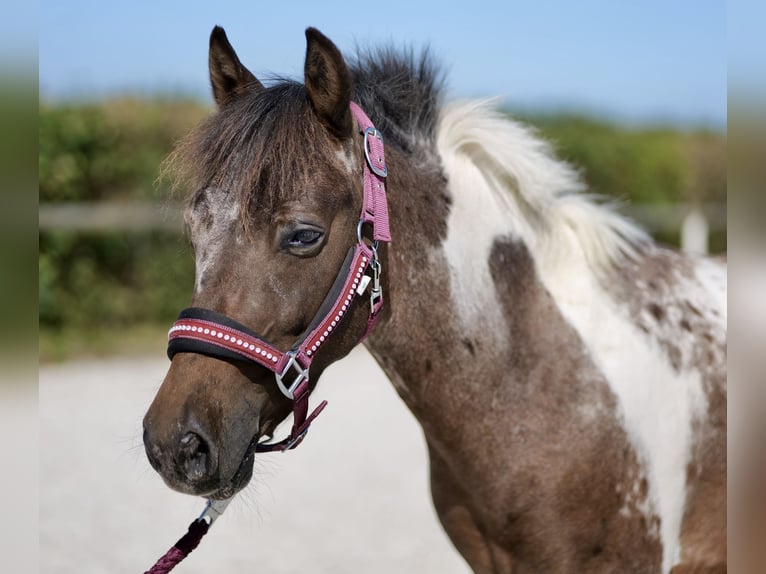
x: 201, y: 430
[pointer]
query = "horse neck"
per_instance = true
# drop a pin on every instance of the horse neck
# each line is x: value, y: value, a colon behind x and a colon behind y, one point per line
x: 458, y: 299
x: 489, y: 234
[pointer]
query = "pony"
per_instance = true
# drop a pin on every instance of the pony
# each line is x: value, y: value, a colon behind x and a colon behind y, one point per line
x: 568, y: 372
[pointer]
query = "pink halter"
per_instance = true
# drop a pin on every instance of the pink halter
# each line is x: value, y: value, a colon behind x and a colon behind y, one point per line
x: 203, y: 331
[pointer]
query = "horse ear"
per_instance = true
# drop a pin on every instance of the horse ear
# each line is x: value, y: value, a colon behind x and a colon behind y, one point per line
x: 328, y: 82
x: 229, y: 78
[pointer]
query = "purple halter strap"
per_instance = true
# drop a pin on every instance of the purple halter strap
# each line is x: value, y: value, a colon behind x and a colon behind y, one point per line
x: 203, y: 331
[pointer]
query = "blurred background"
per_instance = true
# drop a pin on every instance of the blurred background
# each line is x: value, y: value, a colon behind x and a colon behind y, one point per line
x: 633, y: 94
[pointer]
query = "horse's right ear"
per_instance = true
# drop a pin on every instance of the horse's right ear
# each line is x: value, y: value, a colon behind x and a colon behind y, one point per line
x: 229, y: 78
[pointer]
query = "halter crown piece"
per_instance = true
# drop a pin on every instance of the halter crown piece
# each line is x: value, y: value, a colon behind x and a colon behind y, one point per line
x: 204, y: 331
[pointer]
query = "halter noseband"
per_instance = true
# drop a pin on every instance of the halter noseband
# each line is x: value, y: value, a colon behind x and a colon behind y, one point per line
x: 203, y: 331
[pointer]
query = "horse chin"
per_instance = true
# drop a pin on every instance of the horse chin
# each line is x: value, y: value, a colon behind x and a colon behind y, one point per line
x: 220, y: 491
x: 239, y: 481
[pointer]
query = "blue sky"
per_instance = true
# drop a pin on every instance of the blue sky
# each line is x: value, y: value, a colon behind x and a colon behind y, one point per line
x: 647, y: 61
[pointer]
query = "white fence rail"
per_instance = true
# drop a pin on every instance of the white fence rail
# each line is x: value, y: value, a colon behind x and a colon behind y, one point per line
x: 695, y: 223
x: 106, y: 216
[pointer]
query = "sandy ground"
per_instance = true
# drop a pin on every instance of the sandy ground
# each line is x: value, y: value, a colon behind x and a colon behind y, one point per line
x: 353, y: 498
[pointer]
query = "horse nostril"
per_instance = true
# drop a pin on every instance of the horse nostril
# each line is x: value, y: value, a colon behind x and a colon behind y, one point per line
x: 194, y: 457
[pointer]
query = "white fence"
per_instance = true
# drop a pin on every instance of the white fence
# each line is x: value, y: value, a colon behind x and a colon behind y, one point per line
x: 695, y: 223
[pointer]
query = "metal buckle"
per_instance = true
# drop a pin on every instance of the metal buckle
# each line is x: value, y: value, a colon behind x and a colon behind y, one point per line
x: 213, y: 510
x: 296, y: 439
x: 302, y: 374
x: 377, y: 291
x: 376, y: 170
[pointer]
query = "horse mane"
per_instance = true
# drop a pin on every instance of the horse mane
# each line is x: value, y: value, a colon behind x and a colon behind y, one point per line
x: 401, y: 91
x: 542, y: 198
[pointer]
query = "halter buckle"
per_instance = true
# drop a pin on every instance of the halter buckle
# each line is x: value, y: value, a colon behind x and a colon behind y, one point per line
x: 295, y: 440
x: 379, y: 171
x: 301, y: 375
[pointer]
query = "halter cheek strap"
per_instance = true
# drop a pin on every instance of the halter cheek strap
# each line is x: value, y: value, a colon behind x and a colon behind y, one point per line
x: 209, y: 333
x: 375, y: 204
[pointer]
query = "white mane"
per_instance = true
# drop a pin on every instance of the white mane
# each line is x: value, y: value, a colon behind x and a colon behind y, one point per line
x: 491, y: 158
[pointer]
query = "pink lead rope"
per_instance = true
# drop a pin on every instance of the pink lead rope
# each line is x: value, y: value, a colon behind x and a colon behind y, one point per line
x: 180, y: 549
x: 189, y: 541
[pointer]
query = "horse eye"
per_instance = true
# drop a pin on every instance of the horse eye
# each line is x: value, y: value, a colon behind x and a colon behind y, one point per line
x: 304, y: 238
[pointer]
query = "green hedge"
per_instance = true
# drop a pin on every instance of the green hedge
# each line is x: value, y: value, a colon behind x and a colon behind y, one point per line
x: 113, y: 150
x: 110, y: 150
x: 640, y: 165
x: 112, y: 279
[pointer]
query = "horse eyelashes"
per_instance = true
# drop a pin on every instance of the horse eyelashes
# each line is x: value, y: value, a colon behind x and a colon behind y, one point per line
x: 301, y: 240
x: 305, y: 237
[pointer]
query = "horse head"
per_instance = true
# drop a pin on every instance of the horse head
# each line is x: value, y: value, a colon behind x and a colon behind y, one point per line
x: 276, y: 176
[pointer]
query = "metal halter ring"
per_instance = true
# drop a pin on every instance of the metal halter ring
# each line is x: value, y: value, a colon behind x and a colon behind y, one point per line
x: 360, y: 237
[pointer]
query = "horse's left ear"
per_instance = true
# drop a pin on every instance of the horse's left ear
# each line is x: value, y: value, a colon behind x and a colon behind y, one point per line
x: 328, y: 82
x: 229, y: 78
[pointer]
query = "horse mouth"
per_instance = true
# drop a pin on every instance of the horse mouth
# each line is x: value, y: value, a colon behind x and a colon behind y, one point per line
x: 241, y: 476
